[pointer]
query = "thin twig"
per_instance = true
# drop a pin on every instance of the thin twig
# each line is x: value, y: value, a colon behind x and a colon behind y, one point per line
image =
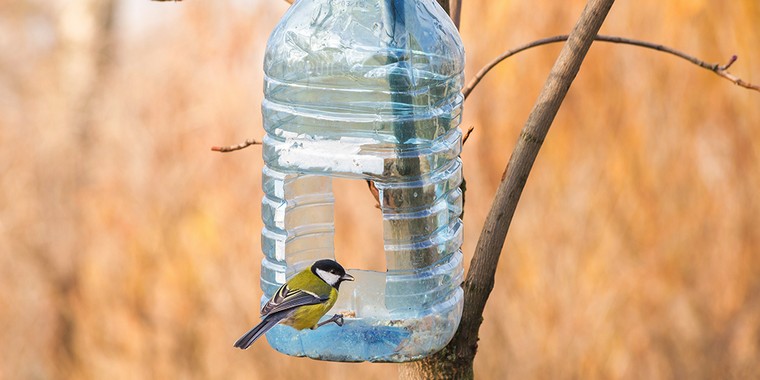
x: 467, y: 134
x: 718, y: 69
x: 232, y: 148
x: 375, y: 192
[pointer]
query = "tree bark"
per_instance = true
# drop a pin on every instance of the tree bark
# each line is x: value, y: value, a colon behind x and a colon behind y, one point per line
x: 455, y: 11
x: 455, y: 361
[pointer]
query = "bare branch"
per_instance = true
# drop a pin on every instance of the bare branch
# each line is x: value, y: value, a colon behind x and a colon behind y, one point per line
x: 723, y: 72
x: 444, y: 4
x: 714, y: 67
x: 232, y: 148
x: 455, y: 361
x: 480, y: 278
x: 375, y: 192
x: 455, y: 11
x: 467, y: 134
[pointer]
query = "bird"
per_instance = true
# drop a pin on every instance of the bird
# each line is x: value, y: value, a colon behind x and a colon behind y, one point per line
x: 302, y: 301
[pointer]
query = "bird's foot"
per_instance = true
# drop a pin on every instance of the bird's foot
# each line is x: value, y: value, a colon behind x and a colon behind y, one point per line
x: 337, y: 318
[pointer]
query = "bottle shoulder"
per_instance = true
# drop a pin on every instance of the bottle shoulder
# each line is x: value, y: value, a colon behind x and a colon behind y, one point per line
x: 320, y: 37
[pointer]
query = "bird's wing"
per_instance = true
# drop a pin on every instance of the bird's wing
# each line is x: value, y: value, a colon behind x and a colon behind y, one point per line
x: 286, y: 299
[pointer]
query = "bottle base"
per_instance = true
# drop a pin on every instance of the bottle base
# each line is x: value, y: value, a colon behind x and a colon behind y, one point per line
x: 373, y: 340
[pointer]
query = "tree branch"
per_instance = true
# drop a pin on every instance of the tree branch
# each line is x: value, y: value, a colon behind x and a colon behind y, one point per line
x: 445, y: 5
x: 455, y: 11
x: 232, y: 148
x: 455, y: 361
x: 480, y: 278
x: 718, y: 69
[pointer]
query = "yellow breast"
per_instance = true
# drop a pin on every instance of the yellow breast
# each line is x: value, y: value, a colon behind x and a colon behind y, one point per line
x: 308, y: 316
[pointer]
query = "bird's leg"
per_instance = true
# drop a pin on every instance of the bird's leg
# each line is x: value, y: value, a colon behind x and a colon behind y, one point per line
x: 337, y: 318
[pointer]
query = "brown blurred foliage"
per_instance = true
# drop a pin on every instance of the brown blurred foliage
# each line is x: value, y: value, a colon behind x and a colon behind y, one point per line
x: 129, y: 250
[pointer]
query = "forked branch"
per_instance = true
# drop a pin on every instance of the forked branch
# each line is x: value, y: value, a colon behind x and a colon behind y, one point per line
x: 721, y: 70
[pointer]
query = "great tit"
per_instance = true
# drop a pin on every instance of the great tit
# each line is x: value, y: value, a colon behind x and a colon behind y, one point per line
x: 301, y: 301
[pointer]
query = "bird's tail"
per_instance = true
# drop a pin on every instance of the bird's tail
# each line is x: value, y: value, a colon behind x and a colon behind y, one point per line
x: 248, y: 338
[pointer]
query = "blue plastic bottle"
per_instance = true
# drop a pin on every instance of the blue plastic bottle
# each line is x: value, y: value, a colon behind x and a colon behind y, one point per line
x: 366, y: 90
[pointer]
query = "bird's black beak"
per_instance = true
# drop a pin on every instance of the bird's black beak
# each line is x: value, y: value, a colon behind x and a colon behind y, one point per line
x: 347, y: 277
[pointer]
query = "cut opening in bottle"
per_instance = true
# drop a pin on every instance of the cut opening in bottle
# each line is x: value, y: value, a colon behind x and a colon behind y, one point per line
x: 358, y: 226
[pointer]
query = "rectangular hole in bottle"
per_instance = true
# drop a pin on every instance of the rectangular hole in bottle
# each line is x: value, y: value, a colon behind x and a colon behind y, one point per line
x: 359, y: 244
x: 358, y: 226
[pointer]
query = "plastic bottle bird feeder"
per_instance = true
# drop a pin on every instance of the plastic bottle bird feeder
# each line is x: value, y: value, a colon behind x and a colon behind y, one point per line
x: 366, y: 90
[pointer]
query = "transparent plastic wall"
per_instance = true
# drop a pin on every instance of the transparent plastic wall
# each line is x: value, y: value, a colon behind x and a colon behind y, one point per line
x: 366, y: 90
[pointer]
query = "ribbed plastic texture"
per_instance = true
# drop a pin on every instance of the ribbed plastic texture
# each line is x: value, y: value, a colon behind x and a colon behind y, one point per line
x: 366, y: 90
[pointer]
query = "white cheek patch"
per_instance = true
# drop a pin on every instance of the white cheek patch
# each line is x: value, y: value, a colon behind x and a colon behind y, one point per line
x: 329, y: 278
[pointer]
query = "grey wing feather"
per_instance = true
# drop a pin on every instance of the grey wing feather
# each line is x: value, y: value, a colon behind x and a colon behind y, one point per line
x: 257, y: 331
x: 280, y: 307
x: 287, y: 299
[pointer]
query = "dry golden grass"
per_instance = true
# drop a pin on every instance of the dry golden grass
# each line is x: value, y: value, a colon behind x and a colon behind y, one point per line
x: 134, y: 253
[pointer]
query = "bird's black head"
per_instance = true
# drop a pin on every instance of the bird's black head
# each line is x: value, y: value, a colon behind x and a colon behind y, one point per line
x: 331, y: 272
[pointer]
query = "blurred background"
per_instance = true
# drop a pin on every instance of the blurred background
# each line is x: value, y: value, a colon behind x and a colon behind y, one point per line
x: 130, y: 250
